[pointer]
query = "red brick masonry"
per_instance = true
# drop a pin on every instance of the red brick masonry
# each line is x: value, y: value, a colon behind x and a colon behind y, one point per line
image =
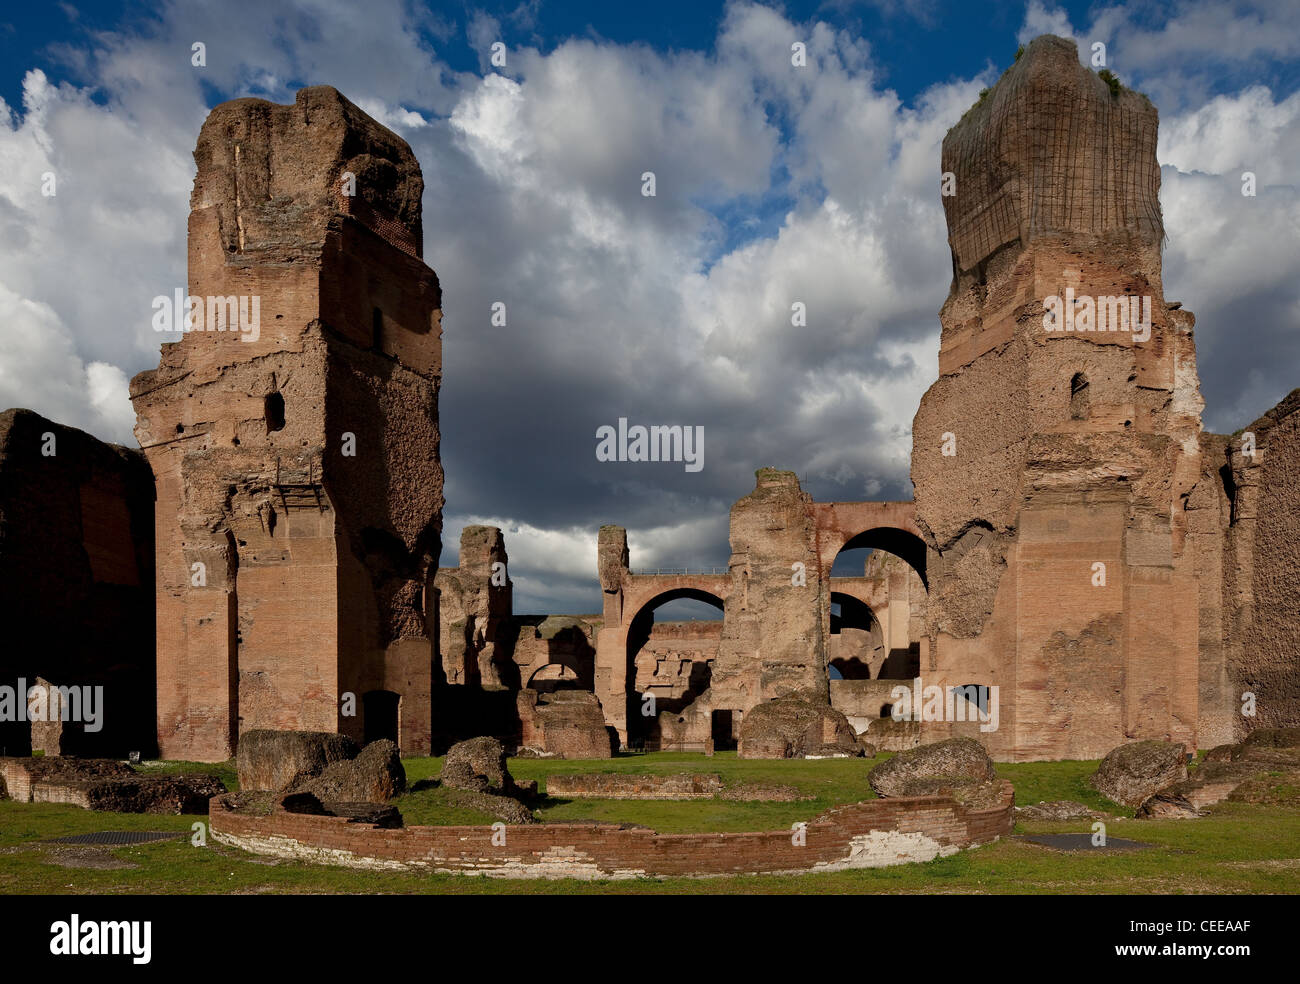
x: 873, y: 833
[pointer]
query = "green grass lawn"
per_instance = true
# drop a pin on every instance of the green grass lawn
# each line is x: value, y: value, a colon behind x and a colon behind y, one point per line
x: 1237, y: 848
x: 829, y: 781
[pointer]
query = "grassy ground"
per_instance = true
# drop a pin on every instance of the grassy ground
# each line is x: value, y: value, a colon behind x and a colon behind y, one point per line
x: 1237, y: 848
x: 829, y: 781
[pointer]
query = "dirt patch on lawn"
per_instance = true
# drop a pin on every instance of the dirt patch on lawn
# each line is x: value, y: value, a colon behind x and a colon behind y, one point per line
x: 95, y: 858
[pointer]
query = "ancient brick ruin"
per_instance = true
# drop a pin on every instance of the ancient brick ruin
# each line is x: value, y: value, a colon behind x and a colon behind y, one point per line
x: 76, y: 579
x: 1075, y: 541
x: 1086, y: 446
x: 870, y: 834
x: 299, y: 490
x: 474, y: 607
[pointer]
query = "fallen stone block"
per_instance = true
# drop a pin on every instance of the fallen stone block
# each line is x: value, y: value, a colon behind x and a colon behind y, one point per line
x: 931, y: 768
x: 163, y: 795
x: 1132, y: 773
x: 279, y: 760
x: 376, y: 775
x: 796, y: 727
x: 477, y: 764
x: 504, y: 808
x: 1166, y: 806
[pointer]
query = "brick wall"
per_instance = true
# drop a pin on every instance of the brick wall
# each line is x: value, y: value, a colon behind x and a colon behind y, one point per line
x: 17, y: 779
x: 873, y: 833
x: 77, y: 581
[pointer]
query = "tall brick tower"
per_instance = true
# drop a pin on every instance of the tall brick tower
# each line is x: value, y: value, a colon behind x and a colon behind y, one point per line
x: 299, y: 488
x: 1051, y: 466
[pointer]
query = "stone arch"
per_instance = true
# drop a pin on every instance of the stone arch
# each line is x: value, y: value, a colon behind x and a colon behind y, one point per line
x: 627, y: 596
x: 853, y: 662
x: 903, y: 544
x: 639, y: 626
x: 558, y: 675
x: 888, y: 526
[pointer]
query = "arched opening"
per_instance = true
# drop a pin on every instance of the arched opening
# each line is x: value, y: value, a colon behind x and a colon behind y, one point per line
x: 877, y: 606
x: 671, y: 644
x: 877, y: 598
x: 1079, y: 399
x: 381, y: 715
x: 273, y: 407
x: 853, y: 558
x: 855, y: 637
x: 555, y: 676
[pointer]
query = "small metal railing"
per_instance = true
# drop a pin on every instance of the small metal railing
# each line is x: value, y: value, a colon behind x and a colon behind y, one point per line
x: 681, y: 571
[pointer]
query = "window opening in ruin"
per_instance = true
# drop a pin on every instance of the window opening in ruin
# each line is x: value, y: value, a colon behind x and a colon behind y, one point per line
x: 726, y: 727
x: 1079, y: 397
x: 377, y: 330
x: 274, y: 410
x: 976, y: 695
x: 1230, y: 490
x: 855, y: 639
x: 381, y: 710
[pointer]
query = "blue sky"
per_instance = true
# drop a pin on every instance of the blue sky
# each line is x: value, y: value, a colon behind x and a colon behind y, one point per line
x: 914, y: 44
x: 912, y: 40
x: 818, y: 186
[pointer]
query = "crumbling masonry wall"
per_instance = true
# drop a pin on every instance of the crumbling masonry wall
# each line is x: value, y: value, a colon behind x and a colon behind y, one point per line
x: 1039, y: 455
x: 76, y: 581
x: 776, y: 637
x: 1246, y: 520
x: 493, y: 664
x: 299, y: 489
x: 774, y: 634
x: 474, y: 603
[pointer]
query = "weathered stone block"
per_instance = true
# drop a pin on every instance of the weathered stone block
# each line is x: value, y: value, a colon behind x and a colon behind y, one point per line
x: 929, y: 768
x: 376, y: 775
x: 478, y: 763
x: 279, y: 760
x: 1131, y: 773
x: 796, y: 727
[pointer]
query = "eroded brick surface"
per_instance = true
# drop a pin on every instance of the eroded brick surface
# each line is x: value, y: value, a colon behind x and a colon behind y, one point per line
x: 299, y: 471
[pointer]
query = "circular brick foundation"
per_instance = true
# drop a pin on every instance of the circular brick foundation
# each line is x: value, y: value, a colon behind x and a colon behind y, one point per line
x: 870, y: 834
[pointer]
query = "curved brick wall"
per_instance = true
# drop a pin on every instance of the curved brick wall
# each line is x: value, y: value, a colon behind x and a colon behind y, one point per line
x: 870, y: 834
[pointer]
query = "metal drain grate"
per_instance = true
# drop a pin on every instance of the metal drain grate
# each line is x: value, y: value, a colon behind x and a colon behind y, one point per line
x: 119, y: 838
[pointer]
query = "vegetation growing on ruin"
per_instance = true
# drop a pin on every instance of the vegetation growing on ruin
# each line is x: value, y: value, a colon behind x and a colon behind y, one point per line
x: 1106, y: 75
